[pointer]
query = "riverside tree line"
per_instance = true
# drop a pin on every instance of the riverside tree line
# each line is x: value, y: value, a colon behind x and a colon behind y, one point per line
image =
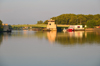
x: 73, y: 19
x: 1, y: 26
x: 64, y: 19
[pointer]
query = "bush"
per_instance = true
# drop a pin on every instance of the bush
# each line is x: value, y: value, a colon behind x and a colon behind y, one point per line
x: 91, y: 23
x: 1, y: 26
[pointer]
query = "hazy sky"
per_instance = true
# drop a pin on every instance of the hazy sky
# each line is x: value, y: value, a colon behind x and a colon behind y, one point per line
x: 31, y: 11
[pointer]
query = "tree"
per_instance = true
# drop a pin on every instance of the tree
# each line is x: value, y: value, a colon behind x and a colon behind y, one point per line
x: 98, y: 22
x: 96, y: 17
x: 39, y: 22
x: 89, y: 17
x: 10, y: 27
x: 73, y: 20
x: 46, y: 22
x: 91, y: 23
x: 1, y: 26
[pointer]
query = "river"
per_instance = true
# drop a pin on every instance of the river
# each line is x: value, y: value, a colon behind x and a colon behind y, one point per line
x: 30, y: 48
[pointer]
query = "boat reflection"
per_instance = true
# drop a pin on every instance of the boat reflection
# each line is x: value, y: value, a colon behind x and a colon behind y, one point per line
x: 73, y: 38
x: 53, y: 35
x: 67, y: 38
x: 77, y: 34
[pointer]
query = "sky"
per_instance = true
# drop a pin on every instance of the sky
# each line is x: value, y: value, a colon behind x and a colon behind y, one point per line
x: 31, y: 11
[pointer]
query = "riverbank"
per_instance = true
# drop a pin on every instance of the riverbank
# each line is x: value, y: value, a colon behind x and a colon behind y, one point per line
x: 92, y: 29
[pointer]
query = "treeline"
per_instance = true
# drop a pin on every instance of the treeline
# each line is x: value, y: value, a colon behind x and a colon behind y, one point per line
x: 1, y: 26
x: 73, y: 19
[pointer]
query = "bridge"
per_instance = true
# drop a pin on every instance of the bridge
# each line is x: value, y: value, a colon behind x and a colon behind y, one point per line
x: 37, y: 26
x: 63, y: 26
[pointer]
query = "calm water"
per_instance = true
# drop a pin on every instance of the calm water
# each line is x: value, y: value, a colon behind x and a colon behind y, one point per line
x: 29, y: 48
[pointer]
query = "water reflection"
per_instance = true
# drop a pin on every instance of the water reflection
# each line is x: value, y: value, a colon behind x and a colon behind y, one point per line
x: 78, y: 37
x: 67, y: 38
x: 51, y: 36
x: 71, y: 38
x: 29, y: 48
x: 22, y: 33
x: 4, y: 36
x: 1, y: 38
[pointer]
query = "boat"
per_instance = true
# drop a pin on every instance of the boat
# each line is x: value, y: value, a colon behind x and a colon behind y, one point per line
x: 71, y: 29
x: 64, y: 30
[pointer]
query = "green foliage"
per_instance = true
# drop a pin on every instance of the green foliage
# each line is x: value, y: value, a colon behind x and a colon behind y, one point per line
x: 91, y: 23
x: 98, y: 22
x: 81, y: 19
x: 65, y: 19
x: 39, y: 22
x: 46, y: 22
x: 27, y: 26
x: 73, y: 19
x: 1, y: 26
x: 66, y: 39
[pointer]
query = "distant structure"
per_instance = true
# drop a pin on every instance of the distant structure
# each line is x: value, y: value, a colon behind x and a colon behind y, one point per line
x: 76, y: 27
x: 6, y: 28
x: 51, y: 25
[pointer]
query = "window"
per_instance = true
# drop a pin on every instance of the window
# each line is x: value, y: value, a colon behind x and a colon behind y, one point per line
x: 78, y: 26
x: 49, y: 23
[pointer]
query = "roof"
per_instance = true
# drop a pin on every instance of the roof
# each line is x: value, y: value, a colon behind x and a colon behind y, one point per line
x: 51, y: 20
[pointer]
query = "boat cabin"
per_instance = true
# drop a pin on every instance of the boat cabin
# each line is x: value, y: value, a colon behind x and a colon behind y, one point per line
x: 75, y: 27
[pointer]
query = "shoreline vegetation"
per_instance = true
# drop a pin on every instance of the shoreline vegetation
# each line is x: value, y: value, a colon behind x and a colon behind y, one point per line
x: 67, y: 19
x: 1, y: 26
x: 73, y: 19
x: 64, y: 19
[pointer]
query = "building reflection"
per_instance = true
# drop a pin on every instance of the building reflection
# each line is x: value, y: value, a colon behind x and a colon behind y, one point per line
x: 77, y: 34
x: 51, y: 36
x: 67, y: 38
x: 70, y: 38
x: 54, y: 36
x: 73, y: 38
x: 6, y: 35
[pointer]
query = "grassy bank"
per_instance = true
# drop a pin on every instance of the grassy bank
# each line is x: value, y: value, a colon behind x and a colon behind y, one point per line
x: 29, y: 25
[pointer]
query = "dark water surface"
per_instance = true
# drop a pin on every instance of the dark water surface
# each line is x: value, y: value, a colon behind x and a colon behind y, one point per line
x: 29, y: 48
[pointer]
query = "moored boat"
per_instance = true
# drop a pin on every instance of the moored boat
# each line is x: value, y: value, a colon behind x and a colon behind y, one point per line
x: 71, y: 29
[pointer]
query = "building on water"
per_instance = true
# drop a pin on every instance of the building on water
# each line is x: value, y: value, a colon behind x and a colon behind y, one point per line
x: 51, y: 25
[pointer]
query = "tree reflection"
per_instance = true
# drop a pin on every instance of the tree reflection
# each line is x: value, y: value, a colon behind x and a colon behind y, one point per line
x: 67, y: 38
x: 40, y: 35
x: 70, y: 38
x: 1, y: 38
x: 78, y: 37
x: 73, y: 38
